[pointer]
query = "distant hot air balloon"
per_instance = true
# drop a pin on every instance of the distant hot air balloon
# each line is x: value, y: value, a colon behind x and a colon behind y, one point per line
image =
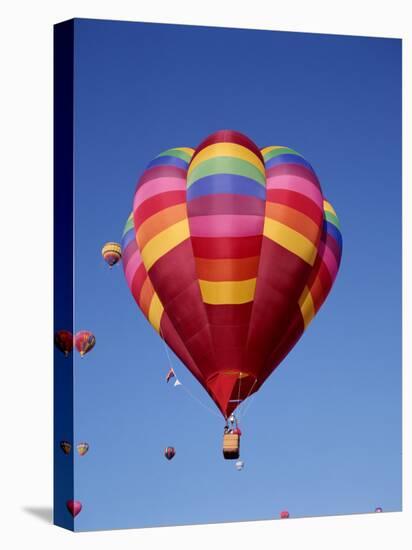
x: 63, y: 340
x: 169, y: 453
x: 74, y: 507
x: 239, y: 465
x: 112, y: 253
x: 82, y: 448
x: 230, y: 252
x: 284, y: 514
x: 378, y: 509
x: 66, y: 447
x: 85, y: 341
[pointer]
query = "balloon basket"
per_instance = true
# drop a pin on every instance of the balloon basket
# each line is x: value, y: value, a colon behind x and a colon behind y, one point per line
x: 231, y: 446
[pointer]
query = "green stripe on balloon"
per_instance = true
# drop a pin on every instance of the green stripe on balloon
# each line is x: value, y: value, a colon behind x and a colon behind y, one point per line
x: 226, y: 165
x: 175, y: 153
x: 129, y: 224
x: 332, y: 218
x: 281, y: 151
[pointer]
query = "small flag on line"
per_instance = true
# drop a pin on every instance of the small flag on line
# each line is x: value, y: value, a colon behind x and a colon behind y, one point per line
x: 170, y: 375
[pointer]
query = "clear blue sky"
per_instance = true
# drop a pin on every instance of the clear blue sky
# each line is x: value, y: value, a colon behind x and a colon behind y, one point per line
x: 323, y: 436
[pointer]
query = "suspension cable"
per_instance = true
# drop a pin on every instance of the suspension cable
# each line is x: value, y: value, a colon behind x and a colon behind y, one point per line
x: 183, y: 385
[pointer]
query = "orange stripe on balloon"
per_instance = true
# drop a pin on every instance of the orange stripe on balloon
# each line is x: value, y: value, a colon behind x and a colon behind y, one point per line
x: 317, y: 292
x: 237, y: 269
x: 159, y: 222
x: 294, y: 219
x: 146, y: 295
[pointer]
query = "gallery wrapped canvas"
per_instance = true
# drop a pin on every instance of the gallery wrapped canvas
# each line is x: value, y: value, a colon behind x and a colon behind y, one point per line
x: 220, y: 355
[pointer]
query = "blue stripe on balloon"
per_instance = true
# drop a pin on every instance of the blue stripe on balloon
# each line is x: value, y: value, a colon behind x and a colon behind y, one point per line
x: 226, y: 183
x: 287, y: 159
x: 334, y: 231
x: 129, y: 236
x: 168, y: 161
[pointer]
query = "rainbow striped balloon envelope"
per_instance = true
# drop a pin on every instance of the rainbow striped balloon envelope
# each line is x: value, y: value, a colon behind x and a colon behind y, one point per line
x: 229, y: 252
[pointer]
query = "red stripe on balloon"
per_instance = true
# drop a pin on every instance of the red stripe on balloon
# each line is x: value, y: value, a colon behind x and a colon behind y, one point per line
x: 229, y: 136
x: 137, y: 282
x: 163, y: 171
x: 226, y: 247
x: 293, y: 170
x: 236, y: 314
x: 157, y: 203
x: 226, y: 204
x: 334, y: 247
x: 297, y: 201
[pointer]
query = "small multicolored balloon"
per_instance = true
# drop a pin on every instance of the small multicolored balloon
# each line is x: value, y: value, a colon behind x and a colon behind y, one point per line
x: 66, y: 447
x: 378, y: 509
x: 63, y: 340
x: 170, y: 453
x: 284, y: 514
x: 82, y: 448
x: 112, y: 253
x: 84, y: 341
x: 74, y: 507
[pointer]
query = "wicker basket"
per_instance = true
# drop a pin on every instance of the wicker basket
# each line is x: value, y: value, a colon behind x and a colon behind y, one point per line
x: 231, y: 444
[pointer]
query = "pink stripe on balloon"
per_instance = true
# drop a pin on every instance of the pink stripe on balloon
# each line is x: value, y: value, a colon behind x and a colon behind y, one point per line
x: 157, y: 186
x: 297, y: 184
x: 226, y: 226
x: 328, y: 259
x: 132, y: 266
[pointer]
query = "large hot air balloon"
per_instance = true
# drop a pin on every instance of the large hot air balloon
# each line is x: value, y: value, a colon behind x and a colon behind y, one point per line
x: 63, y: 340
x: 112, y: 253
x: 169, y: 453
x: 85, y: 341
x: 66, y: 447
x: 74, y: 507
x: 82, y: 448
x: 229, y: 252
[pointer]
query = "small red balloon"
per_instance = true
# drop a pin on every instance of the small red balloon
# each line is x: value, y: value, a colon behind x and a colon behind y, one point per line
x: 284, y: 514
x: 74, y: 507
x: 169, y: 453
x: 63, y: 340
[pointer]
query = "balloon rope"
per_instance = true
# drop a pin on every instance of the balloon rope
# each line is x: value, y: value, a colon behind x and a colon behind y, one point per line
x: 200, y: 402
x: 238, y: 393
x: 243, y: 411
x: 183, y: 385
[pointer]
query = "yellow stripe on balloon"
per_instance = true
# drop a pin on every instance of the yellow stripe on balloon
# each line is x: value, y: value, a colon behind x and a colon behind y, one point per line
x: 328, y: 207
x: 266, y: 150
x: 159, y: 222
x: 290, y: 239
x: 187, y: 150
x: 228, y: 292
x: 307, y: 307
x: 227, y: 150
x: 155, y: 312
x: 165, y: 241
